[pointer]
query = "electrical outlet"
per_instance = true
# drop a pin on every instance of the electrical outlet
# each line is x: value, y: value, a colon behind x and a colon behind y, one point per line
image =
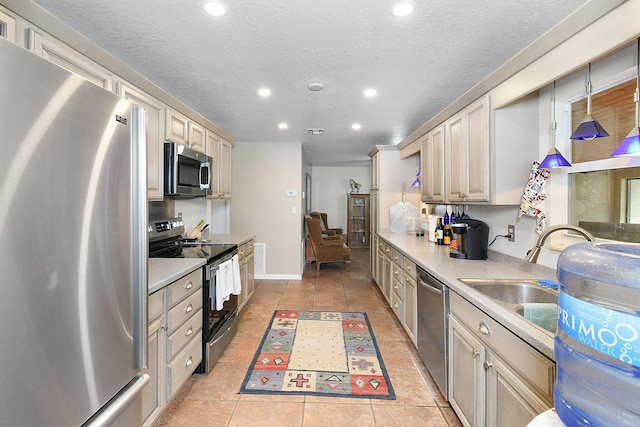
x: 511, y: 231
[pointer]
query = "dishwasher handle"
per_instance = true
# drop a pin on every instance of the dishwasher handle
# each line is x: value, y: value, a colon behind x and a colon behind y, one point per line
x: 428, y: 285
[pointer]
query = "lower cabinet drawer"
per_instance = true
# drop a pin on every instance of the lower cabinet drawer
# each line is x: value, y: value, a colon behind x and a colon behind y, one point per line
x: 155, y: 305
x: 183, y: 311
x: 183, y: 335
x: 183, y: 365
x: 398, y: 288
x: 398, y: 306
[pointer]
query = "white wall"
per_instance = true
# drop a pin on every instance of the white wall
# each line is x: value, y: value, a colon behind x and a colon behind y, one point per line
x: 330, y: 186
x: 260, y: 205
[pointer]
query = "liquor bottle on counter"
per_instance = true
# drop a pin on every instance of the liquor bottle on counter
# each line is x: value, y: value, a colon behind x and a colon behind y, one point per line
x: 445, y: 220
x: 439, y: 232
x: 447, y: 235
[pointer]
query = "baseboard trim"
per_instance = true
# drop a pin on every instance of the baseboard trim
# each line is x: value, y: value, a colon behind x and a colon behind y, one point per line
x: 278, y: 277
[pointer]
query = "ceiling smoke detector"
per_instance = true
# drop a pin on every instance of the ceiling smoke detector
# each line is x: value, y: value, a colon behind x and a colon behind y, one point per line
x: 315, y: 131
x: 315, y: 87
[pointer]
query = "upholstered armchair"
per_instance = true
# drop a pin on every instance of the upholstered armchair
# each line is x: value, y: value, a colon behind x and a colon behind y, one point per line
x: 326, y: 250
x: 324, y: 228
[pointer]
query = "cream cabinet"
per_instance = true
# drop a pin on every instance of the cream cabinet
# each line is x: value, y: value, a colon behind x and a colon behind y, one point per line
x: 467, y: 157
x: 155, y: 141
x: 177, y: 127
x: 213, y: 151
x: 197, y: 139
x: 410, y: 300
x: 7, y: 26
x: 432, y: 155
x: 153, y: 393
x: 59, y: 53
x: 484, y: 388
x: 247, y: 272
x: 399, y: 286
x: 181, y: 130
x: 225, y: 169
x: 220, y: 151
x: 183, y: 313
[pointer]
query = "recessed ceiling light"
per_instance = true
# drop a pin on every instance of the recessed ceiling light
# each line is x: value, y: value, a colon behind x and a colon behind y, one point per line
x: 264, y: 92
x: 370, y: 93
x: 315, y: 87
x: 402, y: 9
x: 283, y: 125
x: 356, y: 126
x: 215, y: 8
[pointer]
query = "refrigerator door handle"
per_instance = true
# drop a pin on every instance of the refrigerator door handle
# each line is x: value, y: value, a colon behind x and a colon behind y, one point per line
x: 139, y: 234
x: 110, y: 411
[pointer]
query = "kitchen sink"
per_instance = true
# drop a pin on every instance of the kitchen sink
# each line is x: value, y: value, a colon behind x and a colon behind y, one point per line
x: 523, y: 297
x: 513, y: 291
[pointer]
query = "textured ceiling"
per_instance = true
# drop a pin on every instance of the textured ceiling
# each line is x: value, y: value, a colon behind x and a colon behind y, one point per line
x: 418, y: 64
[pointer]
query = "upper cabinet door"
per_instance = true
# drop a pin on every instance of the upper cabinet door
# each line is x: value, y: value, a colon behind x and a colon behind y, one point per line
x: 176, y: 127
x: 457, y: 159
x: 467, y: 141
x: 7, y: 26
x: 432, y: 152
x: 197, y: 138
x: 225, y: 169
x: 477, y: 134
x: 70, y: 59
x: 213, y: 151
x: 155, y: 142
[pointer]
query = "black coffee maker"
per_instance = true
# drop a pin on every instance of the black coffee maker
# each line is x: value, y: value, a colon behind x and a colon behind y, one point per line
x: 472, y: 237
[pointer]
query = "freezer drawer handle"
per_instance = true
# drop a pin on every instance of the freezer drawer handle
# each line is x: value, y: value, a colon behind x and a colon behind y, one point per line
x: 189, y: 308
x: 189, y: 331
x: 484, y: 329
x: 189, y: 361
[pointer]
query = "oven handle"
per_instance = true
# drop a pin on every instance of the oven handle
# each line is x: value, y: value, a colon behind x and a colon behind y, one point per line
x: 210, y: 269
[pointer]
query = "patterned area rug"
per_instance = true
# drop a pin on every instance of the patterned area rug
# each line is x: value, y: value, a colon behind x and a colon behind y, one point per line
x: 321, y: 353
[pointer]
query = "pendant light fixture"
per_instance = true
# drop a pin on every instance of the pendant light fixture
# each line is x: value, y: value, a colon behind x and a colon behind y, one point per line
x: 416, y: 182
x: 554, y: 159
x: 589, y: 128
x: 630, y: 146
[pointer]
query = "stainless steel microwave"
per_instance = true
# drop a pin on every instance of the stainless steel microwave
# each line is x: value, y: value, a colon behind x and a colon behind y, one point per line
x: 187, y: 173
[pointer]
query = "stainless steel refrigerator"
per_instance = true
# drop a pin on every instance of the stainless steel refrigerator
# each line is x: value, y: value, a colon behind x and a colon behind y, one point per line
x: 73, y: 255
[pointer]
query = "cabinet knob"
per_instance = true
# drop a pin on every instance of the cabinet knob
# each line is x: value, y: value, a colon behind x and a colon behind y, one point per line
x: 189, y: 361
x: 189, y: 308
x: 189, y: 331
x: 475, y: 352
x: 487, y: 365
x: 189, y: 285
x: 484, y: 329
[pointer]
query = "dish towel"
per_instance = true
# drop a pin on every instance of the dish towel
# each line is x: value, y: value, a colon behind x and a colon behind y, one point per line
x: 237, y: 285
x: 534, y: 194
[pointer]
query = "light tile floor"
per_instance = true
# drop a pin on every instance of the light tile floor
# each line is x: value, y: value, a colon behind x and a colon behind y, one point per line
x: 213, y: 400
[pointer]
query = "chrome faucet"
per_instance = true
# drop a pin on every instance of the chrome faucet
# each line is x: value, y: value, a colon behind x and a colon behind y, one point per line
x: 532, y: 254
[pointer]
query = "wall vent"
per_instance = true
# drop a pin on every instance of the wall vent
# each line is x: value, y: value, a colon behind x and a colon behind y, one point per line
x: 260, y: 258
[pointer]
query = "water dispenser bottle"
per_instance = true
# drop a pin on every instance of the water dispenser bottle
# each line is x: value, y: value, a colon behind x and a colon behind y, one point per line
x: 597, y: 343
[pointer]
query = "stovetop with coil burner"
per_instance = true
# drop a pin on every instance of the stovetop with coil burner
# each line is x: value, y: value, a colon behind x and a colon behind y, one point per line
x: 166, y: 241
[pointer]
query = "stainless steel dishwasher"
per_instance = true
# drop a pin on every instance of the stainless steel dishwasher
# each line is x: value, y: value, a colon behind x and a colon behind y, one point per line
x: 433, y: 314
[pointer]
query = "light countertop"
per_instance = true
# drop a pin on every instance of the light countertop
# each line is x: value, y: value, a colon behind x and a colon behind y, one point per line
x: 233, y: 239
x: 436, y: 260
x: 163, y: 271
